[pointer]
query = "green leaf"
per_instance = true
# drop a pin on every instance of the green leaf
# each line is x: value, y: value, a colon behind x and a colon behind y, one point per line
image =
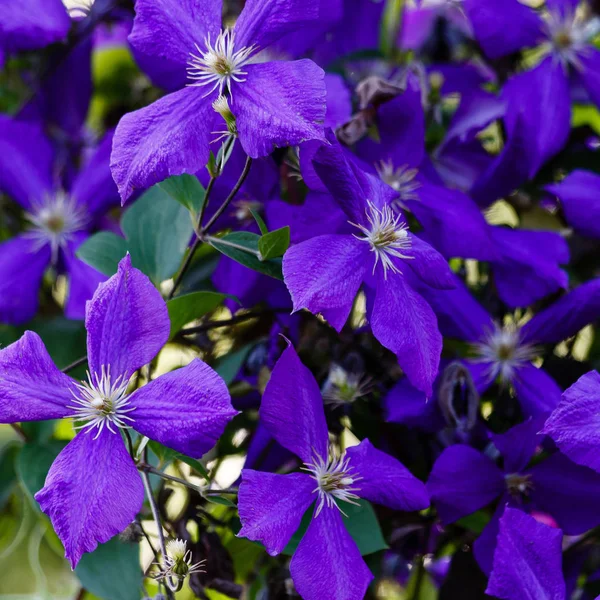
x: 259, y: 221
x: 33, y: 463
x: 187, y: 190
x: 184, y: 309
x: 220, y: 500
x: 361, y: 524
x: 242, y: 246
x: 158, y: 232
x: 274, y: 244
x: 229, y: 366
x: 65, y: 339
x: 103, y: 251
x: 475, y: 522
x: 195, y: 464
x: 112, y: 571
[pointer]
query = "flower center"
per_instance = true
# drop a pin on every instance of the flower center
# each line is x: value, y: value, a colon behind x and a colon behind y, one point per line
x: 334, y: 479
x: 99, y: 401
x: 518, y: 485
x: 55, y: 220
x: 343, y: 387
x: 387, y: 234
x: 503, y: 349
x: 220, y: 63
x: 401, y: 179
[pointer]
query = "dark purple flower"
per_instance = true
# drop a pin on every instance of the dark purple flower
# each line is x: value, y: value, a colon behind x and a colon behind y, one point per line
x: 60, y: 216
x: 505, y: 352
x: 93, y: 490
x: 271, y: 506
x: 324, y: 273
x: 463, y: 480
x: 528, y: 560
x: 182, y: 44
x: 575, y: 424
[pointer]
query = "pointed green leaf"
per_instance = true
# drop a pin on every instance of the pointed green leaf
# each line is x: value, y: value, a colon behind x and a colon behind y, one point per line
x: 103, y: 251
x: 259, y: 221
x: 274, y: 244
x: 184, y: 309
x: 187, y: 190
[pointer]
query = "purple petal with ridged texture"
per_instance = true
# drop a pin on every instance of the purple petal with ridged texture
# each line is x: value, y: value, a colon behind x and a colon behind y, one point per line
x: 519, y: 443
x: 32, y: 388
x: 575, y: 424
x: 169, y: 137
x: 165, y: 32
x: 528, y: 269
x: 325, y: 273
x: 462, y: 481
x: 503, y: 26
x: 537, y: 392
x: 328, y: 556
x: 339, y: 101
x: 271, y: 506
x: 568, y: 492
x: 385, y: 480
x: 127, y: 323
x: 263, y: 23
x: 349, y: 185
x: 452, y: 223
x: 407, y: 405
x: 25, y: 149
x: 32, y: 24
x: 279, y: 104
x: 578, y: 195
x: 528, y: 560
x: 83, y: 281
x: 459, y: 315
x: 186, y: 409
x: 485, y: 545
x: 94, y: 186
x: 544, y: 132
x: 87, y: 505
x: 565, y: 317
x: 404, y: 323
x: 22, y: 267
x: 292, y: 408
x: 429, y: 265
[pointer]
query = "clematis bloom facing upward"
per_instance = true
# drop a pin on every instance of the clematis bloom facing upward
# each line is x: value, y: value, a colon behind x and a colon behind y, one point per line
x: 93, y: 490
x: 324, y: 273
x: 183, y: 47
x: 271, y: 505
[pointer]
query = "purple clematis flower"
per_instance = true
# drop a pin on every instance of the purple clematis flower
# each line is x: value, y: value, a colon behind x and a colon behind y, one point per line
x: 565, y: 37
x: 463, y: 480
x: 528, y: 560
x: 93, y: 490
x: 61, y: 217
x: 505, y: 351
x: 271, y: 506
x: 183, y: 46
x: 575, y: 424
x: 31, y: 24
x: 324, y: 273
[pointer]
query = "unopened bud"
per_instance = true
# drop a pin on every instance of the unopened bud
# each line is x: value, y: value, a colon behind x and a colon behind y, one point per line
x: 458, y: 398
x: 221, y: 105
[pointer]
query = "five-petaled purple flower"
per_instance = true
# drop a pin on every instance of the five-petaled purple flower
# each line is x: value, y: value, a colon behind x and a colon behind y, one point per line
x: 183, y: 47
x: 93, y: 490
x: 324, y: 273
x: 271, y: 506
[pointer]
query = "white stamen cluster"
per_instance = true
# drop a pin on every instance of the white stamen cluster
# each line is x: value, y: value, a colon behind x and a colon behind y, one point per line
x: 504, y: 349
x: 401, y: 179
x: 387, y: 234
x: 518, y: 485
x: 334, y: 479
x: 569, y: 35
x: 343, y: 387
x: 101, y: 402
x: 178, y: 561
x: 221, y: 106
x: 219, y: 64
x: 54, y: 220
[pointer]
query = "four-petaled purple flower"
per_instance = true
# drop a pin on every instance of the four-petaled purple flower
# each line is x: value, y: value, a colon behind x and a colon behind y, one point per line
x: 324, y: 273
x: 271, y: 506
x: 183, y: 47
x: 93, y: 490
